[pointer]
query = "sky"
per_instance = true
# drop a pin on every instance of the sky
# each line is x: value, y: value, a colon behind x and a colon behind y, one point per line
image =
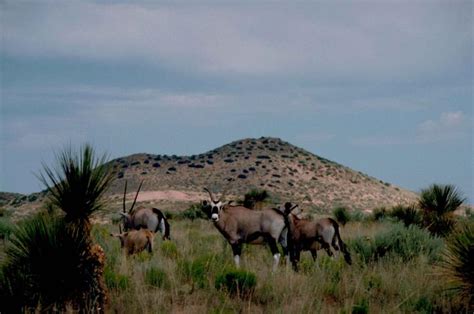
x: 383, y: 87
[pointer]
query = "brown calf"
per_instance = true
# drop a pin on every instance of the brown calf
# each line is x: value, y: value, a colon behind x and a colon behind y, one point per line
x: 135, y: 241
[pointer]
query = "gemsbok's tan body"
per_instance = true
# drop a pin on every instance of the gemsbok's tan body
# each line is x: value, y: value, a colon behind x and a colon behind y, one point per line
x: 311, y: 235
x: 240, y: 225
x: 152, y: 219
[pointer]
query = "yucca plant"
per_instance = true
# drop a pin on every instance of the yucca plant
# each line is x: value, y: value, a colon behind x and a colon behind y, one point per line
x: 457, y: 265
x: 56, y: 247
x: 438, y: 202
x: 77, y: 184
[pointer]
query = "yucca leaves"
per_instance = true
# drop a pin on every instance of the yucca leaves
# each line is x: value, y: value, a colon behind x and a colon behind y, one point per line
x: 438, y: 202
x: 78, y: 183
x: 458, y: 264
x: 46, y: 265
x: 441, y: 199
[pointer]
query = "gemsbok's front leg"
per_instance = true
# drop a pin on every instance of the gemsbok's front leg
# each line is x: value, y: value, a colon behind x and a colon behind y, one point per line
x: 276, y: 254
x: 237, y: 251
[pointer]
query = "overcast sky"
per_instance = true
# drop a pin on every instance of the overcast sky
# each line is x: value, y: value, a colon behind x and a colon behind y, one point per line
x: 384, y: 87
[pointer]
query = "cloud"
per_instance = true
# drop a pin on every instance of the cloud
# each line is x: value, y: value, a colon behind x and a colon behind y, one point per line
x: 344, y: 40
x: 76, y: 113
x: 450, y: 126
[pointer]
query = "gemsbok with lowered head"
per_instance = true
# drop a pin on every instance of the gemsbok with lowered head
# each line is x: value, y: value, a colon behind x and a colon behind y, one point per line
x: 135, y: 241
x: 240, y: 225
x: 309, y: 235
x: 149, y: 218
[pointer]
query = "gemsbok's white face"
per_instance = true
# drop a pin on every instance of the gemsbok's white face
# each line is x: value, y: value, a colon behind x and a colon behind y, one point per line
x: 215, y: 210
x: 214, y: 207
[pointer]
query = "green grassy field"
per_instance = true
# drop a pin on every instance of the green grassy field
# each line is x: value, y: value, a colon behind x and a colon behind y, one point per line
x: 180, y: 277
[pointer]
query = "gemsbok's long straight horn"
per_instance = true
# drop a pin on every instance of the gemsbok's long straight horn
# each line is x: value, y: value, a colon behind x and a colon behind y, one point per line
x: 124, y: 196
x: 136, y: 195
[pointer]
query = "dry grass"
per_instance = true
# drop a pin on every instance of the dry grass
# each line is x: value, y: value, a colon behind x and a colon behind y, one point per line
x: 327, y: 286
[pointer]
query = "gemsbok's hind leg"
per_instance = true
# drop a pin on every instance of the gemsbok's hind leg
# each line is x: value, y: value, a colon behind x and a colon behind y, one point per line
x: 314, y: 253
x: 327, y: 248
x: 334, y: 244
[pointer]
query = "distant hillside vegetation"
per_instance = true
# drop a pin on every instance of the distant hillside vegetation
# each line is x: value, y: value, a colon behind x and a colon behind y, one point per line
x: 287, y: 172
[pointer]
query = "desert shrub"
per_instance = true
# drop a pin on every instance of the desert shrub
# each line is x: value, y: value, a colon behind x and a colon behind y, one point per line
x: 18, y: 200
x: 469, y: 214
x: 116, y: 281
x: 4, y: 212
x: 236, y: 282
x: 458, y: 265
x: 379, y: 214
x: 156, y: 277
x: 255, y: 196
x: 438, y: 202
x: 342, y: 215
x: 398, y: 241
x: 170, y: 215
x: 357, y: 215
x: 408, y: 215
x: 169, y: 249
x: 193, y: 212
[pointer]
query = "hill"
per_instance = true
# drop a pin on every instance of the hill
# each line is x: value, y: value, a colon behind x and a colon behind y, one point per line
x: 287, y: 172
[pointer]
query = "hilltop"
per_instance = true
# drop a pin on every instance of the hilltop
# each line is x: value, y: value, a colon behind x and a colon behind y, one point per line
x: 287, y: 172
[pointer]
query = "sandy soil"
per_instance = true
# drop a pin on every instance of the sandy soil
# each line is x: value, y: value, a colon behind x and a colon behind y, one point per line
x: 169, y: 195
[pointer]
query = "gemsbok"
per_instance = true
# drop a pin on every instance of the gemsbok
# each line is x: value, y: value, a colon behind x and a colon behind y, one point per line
x: 309, y: 235
x: 150, y: 218
x: 135, y: 241
x: 240, y: 225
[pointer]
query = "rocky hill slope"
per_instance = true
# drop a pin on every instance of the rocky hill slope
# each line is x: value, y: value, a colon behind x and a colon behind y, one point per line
x: 287, y: 172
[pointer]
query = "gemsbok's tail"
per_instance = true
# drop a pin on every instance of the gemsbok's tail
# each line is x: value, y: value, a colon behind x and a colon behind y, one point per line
x: 342, y: 245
